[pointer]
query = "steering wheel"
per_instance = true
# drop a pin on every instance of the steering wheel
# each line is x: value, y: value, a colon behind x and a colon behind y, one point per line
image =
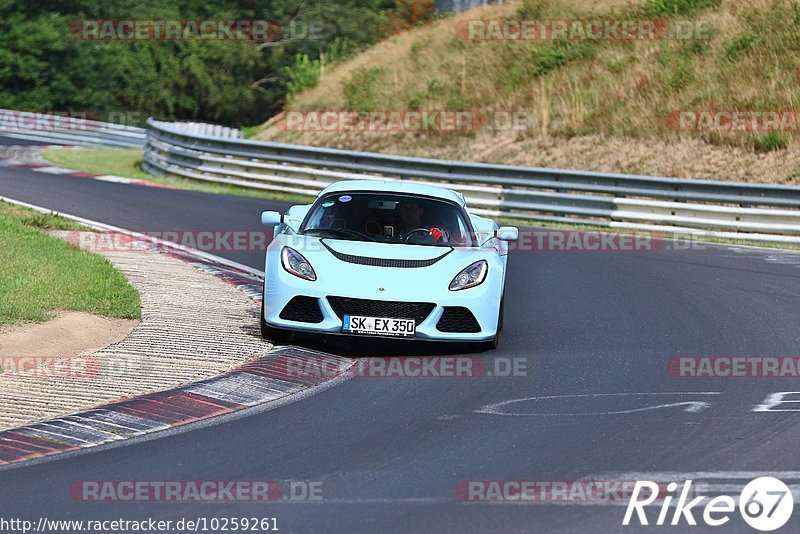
x: 426, y: 231
x: 351, y: 232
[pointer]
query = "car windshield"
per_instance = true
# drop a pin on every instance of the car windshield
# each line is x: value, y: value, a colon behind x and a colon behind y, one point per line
x: 388, y: 218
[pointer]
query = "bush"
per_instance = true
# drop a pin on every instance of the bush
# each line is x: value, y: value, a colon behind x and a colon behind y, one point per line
x: 360, y: 90
x: 533, y: 9
x: 547, y: 59
x: 408, y: 14
x: 303, y: 74
x: 770, y: 142
x: 416, y: 100
x: 735, y: 49
x: 684, y: 8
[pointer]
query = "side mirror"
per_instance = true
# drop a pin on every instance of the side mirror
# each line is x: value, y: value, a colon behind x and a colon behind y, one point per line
x: 507, y: 233
x: 271, y: 218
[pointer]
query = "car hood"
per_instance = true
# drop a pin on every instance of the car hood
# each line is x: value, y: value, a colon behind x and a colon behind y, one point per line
x: 366, y: 249
x: 386, y: 271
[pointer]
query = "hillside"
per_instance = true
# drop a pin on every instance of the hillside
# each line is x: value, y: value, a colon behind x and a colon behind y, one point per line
x: 598, y: 104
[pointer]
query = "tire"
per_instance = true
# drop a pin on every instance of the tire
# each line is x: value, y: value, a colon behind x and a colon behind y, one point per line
x: 502, y: 314
x: 485, y: 346
x: 276, y: 335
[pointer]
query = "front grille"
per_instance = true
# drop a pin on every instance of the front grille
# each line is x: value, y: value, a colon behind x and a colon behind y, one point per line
x: 385, y: 262
x: 458, y: 319
x: 302, y: 309
x: 381, y: 308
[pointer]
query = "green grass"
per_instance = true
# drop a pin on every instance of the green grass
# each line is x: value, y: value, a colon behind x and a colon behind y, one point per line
x: 684, y: 8
x: 40, y: 273
x: 250, y: 131
x: 128, y: 164
x: 35, y: 219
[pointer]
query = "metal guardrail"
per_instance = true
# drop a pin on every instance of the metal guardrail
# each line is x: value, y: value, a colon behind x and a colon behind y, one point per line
x: 63, y: 130
x: 759, y: 212
x: 71, y: 130
x: 203, y: 128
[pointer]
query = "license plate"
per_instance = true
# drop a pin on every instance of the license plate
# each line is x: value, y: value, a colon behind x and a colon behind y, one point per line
x: 378, y: 326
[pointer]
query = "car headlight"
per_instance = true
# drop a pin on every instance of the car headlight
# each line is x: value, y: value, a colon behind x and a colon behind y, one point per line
x: 296, y: 264
x: 472, y: 276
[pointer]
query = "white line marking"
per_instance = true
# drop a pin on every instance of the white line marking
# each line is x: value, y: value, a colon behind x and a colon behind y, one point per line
x: 115, y: 179
x: 10, y: 162
x: 53, y: 170
x: 666, y: 476
x: 707, y: 483
x: 98, y: 435
x: 691, y: 406
x: 240, y: 388
x: 775, y: 399
x: 52, y: 436
x: 129, y: 422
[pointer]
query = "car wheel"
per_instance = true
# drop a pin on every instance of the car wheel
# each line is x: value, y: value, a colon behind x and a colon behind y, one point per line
x: 502, y: 313
x: 484, y: 346
x: 276, y: 335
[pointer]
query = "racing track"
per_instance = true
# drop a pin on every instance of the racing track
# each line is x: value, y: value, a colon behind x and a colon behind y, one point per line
x: 390, y: 451
x: 10, y: 141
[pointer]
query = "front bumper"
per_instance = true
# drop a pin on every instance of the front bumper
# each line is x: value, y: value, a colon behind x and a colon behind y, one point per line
x: 481, y: 301
x: 428, y: 329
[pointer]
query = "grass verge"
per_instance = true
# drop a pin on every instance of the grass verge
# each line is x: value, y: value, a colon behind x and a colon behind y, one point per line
x: 128, y: 164
x: 39, y: 273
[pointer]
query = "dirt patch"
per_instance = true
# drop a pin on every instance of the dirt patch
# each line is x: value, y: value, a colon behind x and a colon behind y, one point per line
x: 69, y: 333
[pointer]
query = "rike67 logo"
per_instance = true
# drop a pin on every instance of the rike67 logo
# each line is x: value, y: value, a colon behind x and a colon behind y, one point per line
x: 765, y: 504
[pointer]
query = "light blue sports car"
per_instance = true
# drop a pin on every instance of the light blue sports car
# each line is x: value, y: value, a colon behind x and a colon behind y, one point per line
x: 386, y: 258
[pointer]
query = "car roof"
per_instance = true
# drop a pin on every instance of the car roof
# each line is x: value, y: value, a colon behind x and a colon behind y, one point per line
x: 394, y: 186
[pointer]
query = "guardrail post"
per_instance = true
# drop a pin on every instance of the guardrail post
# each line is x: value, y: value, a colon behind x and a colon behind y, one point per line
x: 765, y: 212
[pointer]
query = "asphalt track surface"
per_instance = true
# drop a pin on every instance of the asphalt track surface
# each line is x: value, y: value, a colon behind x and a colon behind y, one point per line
x: 390, y: 452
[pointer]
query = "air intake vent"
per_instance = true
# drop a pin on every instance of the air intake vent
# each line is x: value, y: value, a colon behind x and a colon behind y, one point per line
x: 385, y: 262
x: 381, y: 308
x: 458, y: 319
x: 302, y: 309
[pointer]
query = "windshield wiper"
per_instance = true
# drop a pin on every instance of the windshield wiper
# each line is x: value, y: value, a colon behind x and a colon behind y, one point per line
x: 338, y: 232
